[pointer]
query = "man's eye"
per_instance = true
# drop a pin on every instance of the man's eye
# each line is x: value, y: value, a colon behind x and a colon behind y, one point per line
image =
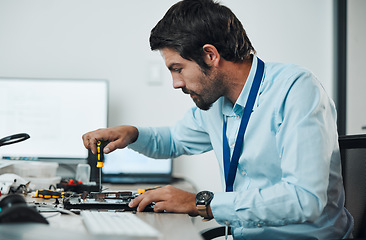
x: 178, y: 70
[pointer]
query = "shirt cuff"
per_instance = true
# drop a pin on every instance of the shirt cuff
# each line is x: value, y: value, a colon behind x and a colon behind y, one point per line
x: 223, y: 209
x: 142, y: 140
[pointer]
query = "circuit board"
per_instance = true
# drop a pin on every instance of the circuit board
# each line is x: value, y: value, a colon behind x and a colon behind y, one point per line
x: 103, y: 201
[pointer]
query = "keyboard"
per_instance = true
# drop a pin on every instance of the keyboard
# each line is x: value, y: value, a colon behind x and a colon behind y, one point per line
x: 117, y: 223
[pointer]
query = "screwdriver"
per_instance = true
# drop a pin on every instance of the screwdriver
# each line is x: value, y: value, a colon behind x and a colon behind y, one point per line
x: 100, y: 160
x: 45, y: 193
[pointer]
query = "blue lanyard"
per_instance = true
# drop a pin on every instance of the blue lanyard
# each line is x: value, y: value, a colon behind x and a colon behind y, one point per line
x: 230, y: 167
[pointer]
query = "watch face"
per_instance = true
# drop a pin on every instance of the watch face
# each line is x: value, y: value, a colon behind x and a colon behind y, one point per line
x: 204, y: 197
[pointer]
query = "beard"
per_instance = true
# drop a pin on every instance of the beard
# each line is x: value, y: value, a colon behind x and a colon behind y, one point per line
x: 212, y: 90
x: 198, y: 100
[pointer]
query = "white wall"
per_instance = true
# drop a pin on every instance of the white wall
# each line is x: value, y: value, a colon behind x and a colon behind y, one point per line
x: 109, y: 39
x: 356, y: 64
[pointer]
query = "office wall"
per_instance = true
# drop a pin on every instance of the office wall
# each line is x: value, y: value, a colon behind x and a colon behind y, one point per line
x: 356, y: 64
x: 109, y: 39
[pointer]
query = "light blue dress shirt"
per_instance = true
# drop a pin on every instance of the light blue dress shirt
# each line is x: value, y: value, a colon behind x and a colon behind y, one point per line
x: 288, y: 183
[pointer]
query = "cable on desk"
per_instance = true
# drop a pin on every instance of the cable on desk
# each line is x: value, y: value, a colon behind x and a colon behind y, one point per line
x: 61, y: 210
x: 41, y: 207
x: 58, y: 210
x: 51, y: 216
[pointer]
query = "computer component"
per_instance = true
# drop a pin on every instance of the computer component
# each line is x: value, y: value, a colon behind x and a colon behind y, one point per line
x: 103, y: 201
x: 117, y: 223
x: 72, y: 185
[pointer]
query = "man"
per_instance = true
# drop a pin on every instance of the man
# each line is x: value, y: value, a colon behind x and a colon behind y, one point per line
x: 271, y: 126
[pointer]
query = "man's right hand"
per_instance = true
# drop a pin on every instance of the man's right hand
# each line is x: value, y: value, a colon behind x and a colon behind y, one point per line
x: 118, y: 137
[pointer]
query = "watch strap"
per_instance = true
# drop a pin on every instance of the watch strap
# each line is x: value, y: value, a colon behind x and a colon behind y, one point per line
x: 203, y: 212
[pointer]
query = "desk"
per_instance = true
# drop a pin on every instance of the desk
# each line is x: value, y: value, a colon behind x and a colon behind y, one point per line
x: 62, y: 227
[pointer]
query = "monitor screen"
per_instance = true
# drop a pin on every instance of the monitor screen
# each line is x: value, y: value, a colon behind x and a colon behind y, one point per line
x: 54, y: 112
x: 128, y: 161
x: 128, y: 166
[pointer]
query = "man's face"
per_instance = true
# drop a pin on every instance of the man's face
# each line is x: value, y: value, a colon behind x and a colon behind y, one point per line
x: 204, y: 89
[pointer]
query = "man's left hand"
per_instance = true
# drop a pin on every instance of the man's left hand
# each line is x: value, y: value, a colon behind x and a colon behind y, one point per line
x: 168, y: 199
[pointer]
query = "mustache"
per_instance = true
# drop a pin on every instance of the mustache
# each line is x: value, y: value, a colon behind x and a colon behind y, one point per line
x: 186, y: 91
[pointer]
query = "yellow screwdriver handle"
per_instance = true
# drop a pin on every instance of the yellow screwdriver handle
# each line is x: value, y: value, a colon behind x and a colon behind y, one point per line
x: 100, y: 156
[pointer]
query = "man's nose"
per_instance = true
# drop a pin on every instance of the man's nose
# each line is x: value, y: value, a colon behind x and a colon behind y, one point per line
x: 178, y: 83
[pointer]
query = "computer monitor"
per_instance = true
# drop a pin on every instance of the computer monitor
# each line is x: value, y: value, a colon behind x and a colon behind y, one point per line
x: 54, y: 112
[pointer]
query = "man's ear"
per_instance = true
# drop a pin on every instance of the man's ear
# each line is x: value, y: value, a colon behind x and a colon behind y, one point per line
x: 212, y: 56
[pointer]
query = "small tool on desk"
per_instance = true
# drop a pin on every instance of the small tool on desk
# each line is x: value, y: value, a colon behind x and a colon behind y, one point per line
x: 100, y: 160
x: 46, y: 193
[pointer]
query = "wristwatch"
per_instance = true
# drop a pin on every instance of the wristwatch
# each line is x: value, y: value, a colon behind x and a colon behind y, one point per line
x: 203, y: 200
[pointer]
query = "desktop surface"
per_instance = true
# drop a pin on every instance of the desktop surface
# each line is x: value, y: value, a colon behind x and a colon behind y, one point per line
x: 64, y: 226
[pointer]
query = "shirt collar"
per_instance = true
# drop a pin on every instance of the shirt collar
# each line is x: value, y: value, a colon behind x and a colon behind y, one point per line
x: 228, y: 108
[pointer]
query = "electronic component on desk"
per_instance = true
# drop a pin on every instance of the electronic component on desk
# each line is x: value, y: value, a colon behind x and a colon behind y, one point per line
x: 117, y: 223
x: 111, y: 195
x: 77, y: 186
x: 12, y: 183
x: 103, y: 200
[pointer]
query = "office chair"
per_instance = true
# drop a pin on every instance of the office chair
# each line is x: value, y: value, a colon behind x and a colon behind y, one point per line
x: 212, y: 233
x: 353, y: 158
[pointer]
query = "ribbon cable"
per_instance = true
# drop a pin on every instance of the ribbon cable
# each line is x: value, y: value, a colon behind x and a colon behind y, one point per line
x: 230, y: 167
